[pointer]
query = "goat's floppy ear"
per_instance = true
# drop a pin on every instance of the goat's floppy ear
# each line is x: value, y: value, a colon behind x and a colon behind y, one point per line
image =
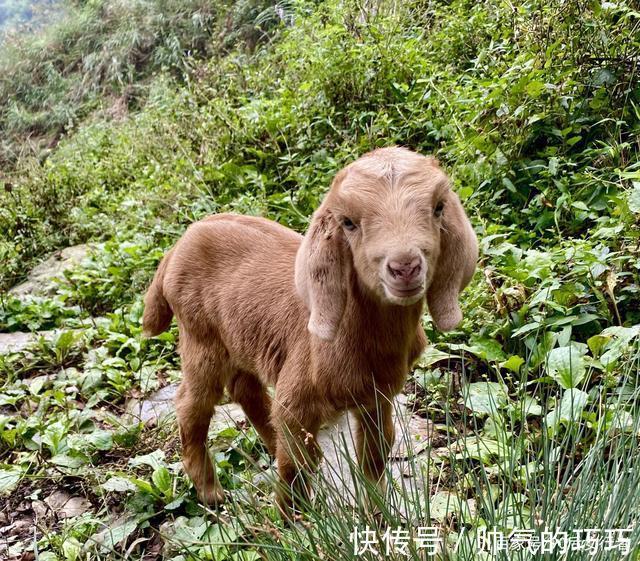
x: 455, y: 267
x: 321, y: 274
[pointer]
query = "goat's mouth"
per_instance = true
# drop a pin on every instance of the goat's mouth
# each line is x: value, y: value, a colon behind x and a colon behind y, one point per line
x: 404, y: 295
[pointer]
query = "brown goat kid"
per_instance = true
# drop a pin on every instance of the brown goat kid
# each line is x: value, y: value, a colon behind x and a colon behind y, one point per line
x: 332, y: 319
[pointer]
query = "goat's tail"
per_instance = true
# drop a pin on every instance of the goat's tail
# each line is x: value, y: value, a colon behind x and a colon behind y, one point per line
x: 157, y: 312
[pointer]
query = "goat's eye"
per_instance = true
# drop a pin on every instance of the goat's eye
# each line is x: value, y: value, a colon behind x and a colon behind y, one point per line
x: 437, y: 211
x: 348, y: 224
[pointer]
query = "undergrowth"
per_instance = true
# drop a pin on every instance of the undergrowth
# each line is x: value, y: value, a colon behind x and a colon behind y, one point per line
x: 155, y: 114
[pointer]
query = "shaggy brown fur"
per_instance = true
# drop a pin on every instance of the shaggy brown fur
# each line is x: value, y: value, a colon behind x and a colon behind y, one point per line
x: 332, y: 320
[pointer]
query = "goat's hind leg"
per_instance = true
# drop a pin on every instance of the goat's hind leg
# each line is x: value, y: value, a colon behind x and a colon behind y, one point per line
x: 249, y: 392
x: 204, y: 375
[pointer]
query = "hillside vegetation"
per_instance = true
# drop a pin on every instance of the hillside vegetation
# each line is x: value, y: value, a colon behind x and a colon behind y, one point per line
x: 127, y: 121
x: 21, y: 15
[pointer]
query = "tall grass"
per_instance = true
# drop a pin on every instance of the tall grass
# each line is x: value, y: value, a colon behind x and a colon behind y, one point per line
x: 532, y: 110
x: 560, y: 485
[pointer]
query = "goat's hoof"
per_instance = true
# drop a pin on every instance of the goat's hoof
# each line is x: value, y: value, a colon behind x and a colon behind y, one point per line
x: 212, y: 495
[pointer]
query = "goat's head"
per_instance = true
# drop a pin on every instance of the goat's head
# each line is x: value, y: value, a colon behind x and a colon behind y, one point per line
x: 391, y: 217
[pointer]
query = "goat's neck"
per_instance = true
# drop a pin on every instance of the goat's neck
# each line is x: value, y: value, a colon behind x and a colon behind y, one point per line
x: 397, y: 325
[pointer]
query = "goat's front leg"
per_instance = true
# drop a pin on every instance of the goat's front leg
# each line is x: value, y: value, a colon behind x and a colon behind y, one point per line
x: 297, y: 454
x: 375, y: 436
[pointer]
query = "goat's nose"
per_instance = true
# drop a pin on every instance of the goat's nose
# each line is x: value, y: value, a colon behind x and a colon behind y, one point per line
x: 405, y: 269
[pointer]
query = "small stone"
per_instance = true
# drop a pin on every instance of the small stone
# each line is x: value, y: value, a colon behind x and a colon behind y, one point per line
x: 41, y: 280
x: 16, y: 342
x: 57, y: 499
x: 153, y: 409
x: 412, y: 437
x: 40, y: 509
x: 227, y: 415
x: 65, y: 506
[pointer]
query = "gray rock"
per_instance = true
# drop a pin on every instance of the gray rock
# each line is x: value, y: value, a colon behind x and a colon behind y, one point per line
x: 160, y: 404
x: 20, y: 341
x: 413, y: 435
x: 66, y: 506
x: 40, y: 281
x: 338, y: 477
x: 337, y: 471
x: 16, y: 342
x: 406, y: 485
x: 227, y: 415
x: 154, y: 408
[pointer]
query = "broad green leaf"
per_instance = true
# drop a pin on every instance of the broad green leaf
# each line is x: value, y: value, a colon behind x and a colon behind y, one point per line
x: 527, y: 328
x: 217, y: 533
x: 65, y: 340
x: 485, y: 398
x: 480, y: 448
x: 37, y: 383
x: 535, y: 88
x: 427, y: 378
x: 188, y: 530
x: 540, y: 347
x: 622, y: 420
x: 484, y: 348
x: 545, y: 293
x: 494, y: 428
x: 162, y: 479
x: 118, y: 484
x: 624, y: 333
x: 530, y: 406
x: 465, y: 192
x: 618, y: 344
x: 432, y: 356
x: 54, y: 438
x: 597, y: 343
x: 101, y: 439
x: 47, y: 556
x: 634, y: 198
x: 513, y: 363
x: 67, y: 461
x: 566, y: 366
x: 538, y: 263
x: 9, y: 478
x: 71, y: 548
x: 148, y: 377
x: 570, y: 408
x: 144, y: 486
x: 175, y: 503
x: 229, y: 432
x: 118, y: 531
x: 444, y: 504
x: 155, y: 459
x: 513, y: 512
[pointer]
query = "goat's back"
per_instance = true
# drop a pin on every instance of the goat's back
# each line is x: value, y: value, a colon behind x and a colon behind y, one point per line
x: 231, y: 279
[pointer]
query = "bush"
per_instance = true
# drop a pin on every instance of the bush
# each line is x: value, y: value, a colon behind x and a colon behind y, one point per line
x: 532, y: 110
